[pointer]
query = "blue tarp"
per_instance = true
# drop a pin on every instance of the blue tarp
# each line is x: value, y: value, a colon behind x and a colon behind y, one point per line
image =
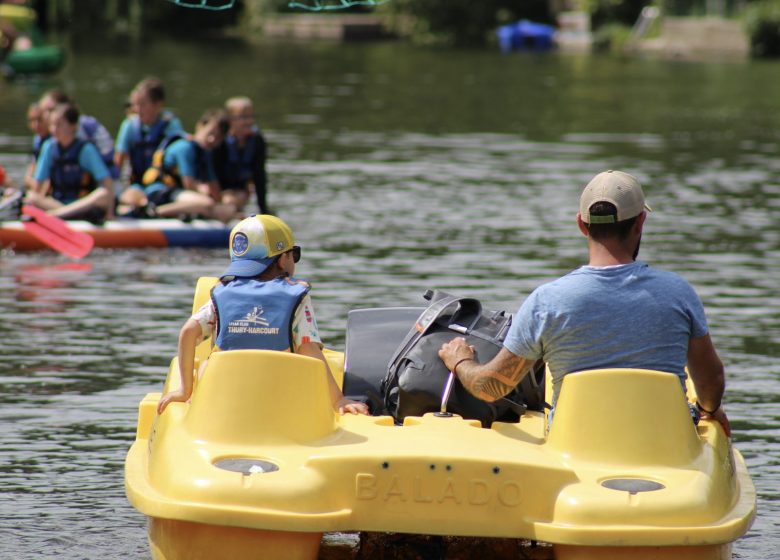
x: 525, y: 35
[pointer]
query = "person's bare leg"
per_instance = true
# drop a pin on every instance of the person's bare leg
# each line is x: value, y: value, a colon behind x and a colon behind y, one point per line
x: 188, y: 202
x: 99, y: 198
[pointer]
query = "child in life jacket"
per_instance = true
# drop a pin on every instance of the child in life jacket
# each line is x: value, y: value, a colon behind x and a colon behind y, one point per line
x: 259, y: 282
x: 240, y: 160
x: 147, y: 124
x: 181, y: 179
x: 71, y: 180
x: 90, y: 128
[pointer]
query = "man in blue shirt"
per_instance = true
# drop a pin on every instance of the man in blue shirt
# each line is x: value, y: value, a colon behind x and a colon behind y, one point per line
x: 615, y: 312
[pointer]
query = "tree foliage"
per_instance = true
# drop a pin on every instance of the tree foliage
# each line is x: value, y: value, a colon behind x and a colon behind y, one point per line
x: 762, y: 20
x: 623, y: 12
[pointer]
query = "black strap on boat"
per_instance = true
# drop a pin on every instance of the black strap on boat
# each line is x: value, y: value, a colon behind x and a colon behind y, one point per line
x: 429, y: 317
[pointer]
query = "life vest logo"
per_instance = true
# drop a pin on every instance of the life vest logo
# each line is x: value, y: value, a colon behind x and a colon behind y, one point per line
x: 256, y: 316
x: 252, y: 323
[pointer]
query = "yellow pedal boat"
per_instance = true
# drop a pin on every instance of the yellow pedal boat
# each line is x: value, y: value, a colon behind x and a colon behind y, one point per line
x: 258, y: 465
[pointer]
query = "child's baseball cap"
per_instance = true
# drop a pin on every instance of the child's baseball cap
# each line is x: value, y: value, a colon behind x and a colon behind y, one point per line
x: 255, y: 242
x: 619, y: 189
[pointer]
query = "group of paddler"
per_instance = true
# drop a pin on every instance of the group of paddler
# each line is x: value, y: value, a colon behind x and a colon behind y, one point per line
x: 153, y: 169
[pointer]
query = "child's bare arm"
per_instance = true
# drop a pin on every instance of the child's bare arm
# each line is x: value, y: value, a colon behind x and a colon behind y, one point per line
x: 189, y: 336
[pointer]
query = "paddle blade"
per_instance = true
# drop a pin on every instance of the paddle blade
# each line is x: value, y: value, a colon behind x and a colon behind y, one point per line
x: 57, y: 234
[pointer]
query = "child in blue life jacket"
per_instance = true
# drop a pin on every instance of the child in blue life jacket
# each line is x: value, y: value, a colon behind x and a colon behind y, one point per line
x: 258, y: 283
x: 181, y: 180
x: 147, y: 125
x: 89, y: 129
x: 71, y: 180
x: 240, y: 160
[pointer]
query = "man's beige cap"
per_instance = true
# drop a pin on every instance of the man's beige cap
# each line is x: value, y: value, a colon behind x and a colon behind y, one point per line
x: 618, y: 188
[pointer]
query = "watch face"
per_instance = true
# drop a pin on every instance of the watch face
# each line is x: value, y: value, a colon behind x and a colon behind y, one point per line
x: 240, y: 244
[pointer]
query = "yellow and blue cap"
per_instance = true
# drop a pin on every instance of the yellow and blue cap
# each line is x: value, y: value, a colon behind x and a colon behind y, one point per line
x: 255, y: 242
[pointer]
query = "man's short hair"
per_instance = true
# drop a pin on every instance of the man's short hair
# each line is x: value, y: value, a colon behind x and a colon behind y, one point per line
x: 601, y: 231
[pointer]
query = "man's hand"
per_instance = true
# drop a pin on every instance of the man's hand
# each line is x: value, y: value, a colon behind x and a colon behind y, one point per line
x: 456, y: 350
x: 490, y: 381
x: 720, y: 417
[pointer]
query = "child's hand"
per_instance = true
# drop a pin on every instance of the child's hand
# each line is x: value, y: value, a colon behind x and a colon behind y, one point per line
x: 173, y: 396
x: 346, y: 405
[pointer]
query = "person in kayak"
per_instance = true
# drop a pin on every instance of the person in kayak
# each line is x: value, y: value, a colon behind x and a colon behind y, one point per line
x: 257, y: 304
x: 615, y: 312
x: 70, y: 180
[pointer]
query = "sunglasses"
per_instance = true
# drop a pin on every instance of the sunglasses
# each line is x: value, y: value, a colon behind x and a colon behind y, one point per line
x: 296, y: 252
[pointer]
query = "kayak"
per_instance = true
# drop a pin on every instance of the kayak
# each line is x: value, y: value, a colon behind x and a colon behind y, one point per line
x: 258, y: 465
x: 128, y: 233
x: 38, y: 59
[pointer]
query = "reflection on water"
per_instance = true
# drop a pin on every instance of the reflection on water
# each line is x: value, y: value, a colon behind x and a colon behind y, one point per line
x: 399, y: 171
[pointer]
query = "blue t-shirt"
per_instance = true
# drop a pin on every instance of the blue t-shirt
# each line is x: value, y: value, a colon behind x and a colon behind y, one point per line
x: 184, y: 155
x: 89, y: 160
x: 625, y: 316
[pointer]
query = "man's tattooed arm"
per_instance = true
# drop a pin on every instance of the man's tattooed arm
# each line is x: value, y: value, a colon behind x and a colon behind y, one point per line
x: 495, y: 379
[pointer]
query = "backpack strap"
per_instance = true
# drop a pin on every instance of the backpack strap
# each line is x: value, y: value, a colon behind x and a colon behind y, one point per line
x: 430, y: 316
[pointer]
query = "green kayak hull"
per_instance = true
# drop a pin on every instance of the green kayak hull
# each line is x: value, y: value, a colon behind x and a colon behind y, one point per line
x: 36, y: 60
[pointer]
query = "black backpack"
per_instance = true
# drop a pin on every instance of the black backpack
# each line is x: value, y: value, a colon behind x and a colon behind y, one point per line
x: 417, y: 381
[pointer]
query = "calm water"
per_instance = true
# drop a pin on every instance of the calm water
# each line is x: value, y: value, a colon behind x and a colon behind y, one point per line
x: 399, y: 170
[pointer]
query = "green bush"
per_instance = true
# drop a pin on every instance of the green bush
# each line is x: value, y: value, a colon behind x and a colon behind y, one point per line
x: 762, y: 21
x: 606, y: 12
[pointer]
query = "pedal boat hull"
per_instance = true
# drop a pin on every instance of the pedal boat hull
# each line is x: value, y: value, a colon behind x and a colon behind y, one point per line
x: 259, y: 461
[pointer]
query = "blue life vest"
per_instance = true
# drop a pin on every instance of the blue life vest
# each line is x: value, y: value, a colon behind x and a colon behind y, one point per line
x: 143, y: 144
x: 258, y: 315
x: 69, y: 181
x: 238, y: 167
x: 202, y: 163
